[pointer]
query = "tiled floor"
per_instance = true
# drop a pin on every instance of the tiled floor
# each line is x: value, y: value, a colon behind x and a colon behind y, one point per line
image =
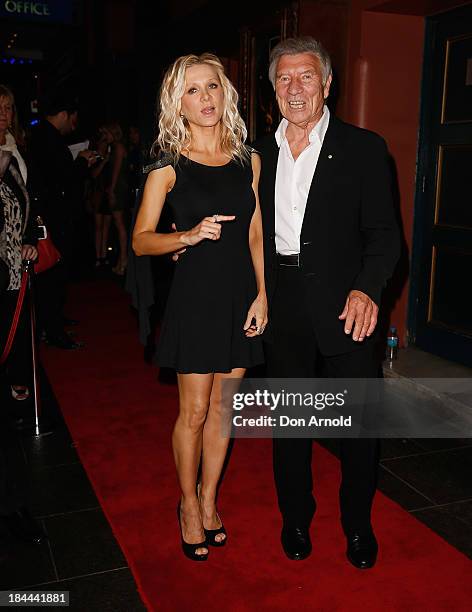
x: 435, y: 485
x: 81, y: 554
x: 429, y: 478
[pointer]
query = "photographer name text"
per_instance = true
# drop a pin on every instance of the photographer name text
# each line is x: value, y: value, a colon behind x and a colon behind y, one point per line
x: 286, y: 421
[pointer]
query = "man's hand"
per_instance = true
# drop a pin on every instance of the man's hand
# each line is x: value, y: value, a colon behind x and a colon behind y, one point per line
x: 89, y: 156
x: 361, y: 312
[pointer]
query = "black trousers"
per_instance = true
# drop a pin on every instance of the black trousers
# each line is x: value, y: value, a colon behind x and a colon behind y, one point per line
x: 294, y: 353
x: 50, y: 294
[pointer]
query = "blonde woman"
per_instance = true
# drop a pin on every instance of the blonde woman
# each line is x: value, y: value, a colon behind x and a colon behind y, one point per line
x: 217, y: 306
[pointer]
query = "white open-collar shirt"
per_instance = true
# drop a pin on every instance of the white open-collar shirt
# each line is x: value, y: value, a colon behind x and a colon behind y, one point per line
x: 292, y: 184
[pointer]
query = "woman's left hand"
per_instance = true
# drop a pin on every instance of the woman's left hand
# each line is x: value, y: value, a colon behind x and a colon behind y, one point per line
x: 257, y: 311
x: 29, y: 252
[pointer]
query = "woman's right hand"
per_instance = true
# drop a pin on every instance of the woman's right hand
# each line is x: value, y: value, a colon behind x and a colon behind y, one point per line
x: 209, y: 228
x: 29, y: 252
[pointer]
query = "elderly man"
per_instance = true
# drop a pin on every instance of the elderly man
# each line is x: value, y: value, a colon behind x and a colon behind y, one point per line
x: 331, y: 243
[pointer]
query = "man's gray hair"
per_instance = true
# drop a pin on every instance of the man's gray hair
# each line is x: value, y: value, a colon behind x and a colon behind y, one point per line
x: 294, y: 46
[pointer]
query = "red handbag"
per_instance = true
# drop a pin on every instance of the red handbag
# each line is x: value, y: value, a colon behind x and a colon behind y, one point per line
x: 48, y: 255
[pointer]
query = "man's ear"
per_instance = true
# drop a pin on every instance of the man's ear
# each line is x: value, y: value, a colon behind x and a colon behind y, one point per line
x: 327, y: 86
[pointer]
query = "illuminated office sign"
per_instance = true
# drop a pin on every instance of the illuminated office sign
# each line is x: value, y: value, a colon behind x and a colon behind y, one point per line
x: 43, y: 10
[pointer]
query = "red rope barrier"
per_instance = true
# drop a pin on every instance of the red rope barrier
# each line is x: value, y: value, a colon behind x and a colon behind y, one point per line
x: 16, y: 317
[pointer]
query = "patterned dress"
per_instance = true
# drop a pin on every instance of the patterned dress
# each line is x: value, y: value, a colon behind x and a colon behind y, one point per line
x: 15, y: 208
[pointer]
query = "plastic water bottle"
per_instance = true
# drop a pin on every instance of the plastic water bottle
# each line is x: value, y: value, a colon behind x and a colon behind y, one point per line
x: 392, y: 344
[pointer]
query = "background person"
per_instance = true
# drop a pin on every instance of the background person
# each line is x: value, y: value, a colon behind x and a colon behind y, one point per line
x: 57, y: 182
x: 98, y: 199
x: 17, y: 243
x: 135, y: 162
x: 117, y: 190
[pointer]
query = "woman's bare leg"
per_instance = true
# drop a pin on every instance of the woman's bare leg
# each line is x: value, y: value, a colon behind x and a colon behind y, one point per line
x: 215, y: 447
x: 187, y: 440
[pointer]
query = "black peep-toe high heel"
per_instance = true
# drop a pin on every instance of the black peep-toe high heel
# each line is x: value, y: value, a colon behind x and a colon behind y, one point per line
x: 190, y: 550
x: 210, y: 534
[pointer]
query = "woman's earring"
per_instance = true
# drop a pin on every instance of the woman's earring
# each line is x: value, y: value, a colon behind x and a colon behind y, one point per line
x: 182, y: 116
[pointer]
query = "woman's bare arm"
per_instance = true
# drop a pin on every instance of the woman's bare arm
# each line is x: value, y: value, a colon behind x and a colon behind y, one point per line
x: 145, y: 239
x: 258, y: 309
x: 255, y: 229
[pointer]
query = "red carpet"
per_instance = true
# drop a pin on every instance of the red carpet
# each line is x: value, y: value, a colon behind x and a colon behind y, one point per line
x: 121, y: 419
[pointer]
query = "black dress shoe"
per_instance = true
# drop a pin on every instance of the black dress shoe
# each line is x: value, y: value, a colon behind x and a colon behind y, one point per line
x: 362, y: 550
x: 296, y: 542
x: 211, y: 535
x: 23, y: 526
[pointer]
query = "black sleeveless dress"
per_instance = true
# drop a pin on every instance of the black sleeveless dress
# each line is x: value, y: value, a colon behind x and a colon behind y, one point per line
x: 214, y: 282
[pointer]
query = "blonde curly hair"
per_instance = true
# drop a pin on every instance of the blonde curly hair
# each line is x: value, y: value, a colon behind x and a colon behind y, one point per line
x: 174, y: 130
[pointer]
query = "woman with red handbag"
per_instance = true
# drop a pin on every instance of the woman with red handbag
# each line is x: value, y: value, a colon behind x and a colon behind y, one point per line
x: 17, y: 243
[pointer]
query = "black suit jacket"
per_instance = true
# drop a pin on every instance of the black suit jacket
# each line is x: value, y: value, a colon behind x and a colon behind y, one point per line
x: 349, y: 238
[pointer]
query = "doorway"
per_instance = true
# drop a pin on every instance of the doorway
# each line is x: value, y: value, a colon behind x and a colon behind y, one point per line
x: 440, y: 319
